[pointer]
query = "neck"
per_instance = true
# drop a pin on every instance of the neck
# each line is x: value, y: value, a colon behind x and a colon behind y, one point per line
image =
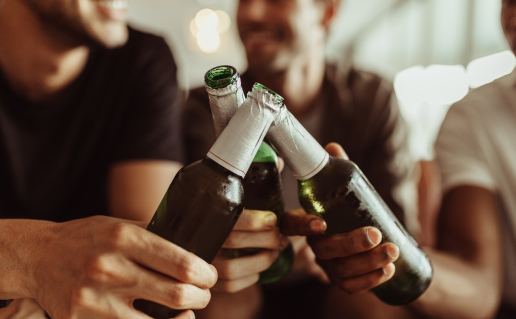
x: 36, y: 61
x: 299, y: 83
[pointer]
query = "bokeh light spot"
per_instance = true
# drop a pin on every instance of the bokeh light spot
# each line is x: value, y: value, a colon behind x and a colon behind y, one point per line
x: 206, y: 19
x: 208, y: 40
x: 224, y: 21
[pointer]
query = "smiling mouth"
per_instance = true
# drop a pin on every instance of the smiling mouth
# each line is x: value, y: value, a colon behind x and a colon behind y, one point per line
x: 260, y: 37
x: 113, y: 4
x: 113, y: 9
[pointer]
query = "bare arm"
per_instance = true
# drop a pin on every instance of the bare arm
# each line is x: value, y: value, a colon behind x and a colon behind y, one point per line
x: 137, y: 187
x: 467, y: 262
x: 95, y: 267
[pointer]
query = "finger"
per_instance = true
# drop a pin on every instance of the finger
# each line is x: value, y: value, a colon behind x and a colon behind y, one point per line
x: 313, y: 268
x: 345, y: 244
x: 256, y: 220
x: 160, y: 255
x: 167, y: 291
x: 368, y: 281
x: 334, y: 149
x: 271, y: 239
x: 232, y: 286
x: 281, y: 164
x: 298, y: 223
x: 363, y: 263
x: 238, y: 268
x: 188, y: 314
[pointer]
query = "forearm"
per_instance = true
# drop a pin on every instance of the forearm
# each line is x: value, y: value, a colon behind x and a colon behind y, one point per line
x: 19, y: 240
x: 459, y: 290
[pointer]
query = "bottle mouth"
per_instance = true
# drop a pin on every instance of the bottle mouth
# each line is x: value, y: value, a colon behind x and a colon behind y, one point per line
x: 258, y: 85
x: 220, y: 76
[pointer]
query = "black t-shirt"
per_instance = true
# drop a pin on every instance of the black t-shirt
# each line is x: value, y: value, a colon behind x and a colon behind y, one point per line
x: 55, y: 157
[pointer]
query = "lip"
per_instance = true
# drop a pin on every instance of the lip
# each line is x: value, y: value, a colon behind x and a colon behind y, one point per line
x: 259, y: 39
x: 113, y: 9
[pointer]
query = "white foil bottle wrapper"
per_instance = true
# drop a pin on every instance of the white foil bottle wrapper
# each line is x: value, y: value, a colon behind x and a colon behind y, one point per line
x: 238, y: 143
x: 300, y: 151
x: 224, y: 102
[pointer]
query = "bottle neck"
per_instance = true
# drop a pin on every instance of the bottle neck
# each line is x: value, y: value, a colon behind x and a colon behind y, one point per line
x: 224, y: 102
x: 238, y: 144
x: 300, y: 151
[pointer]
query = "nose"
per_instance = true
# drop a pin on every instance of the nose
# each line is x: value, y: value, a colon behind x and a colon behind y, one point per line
x: 252, y: 10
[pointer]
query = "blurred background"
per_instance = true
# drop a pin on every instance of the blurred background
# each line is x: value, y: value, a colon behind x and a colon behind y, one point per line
x: 434, y: 51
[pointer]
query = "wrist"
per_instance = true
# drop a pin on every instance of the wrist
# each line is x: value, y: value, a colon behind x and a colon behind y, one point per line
x: 22, y: 243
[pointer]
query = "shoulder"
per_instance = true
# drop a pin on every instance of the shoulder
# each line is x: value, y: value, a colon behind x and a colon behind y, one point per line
x: 144, y: 41
x: 367, y: 91
x: 143, y: 49
x: 480, y: 104
x: 197, y: 101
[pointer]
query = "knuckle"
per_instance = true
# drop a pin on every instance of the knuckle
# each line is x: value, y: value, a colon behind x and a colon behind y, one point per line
x: 79, y: 300
x: 181, y: 296
x: 98, y: 269
x: 122, y: 234
x: 189, y: 271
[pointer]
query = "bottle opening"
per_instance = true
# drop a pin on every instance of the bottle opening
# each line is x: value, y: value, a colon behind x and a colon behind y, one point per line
x: 258, y: 85
x: 220, y: 76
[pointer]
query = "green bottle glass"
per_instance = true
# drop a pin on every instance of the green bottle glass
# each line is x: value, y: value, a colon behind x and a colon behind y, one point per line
x: 262, y: 183
x: 205, y: 199
x: 336, y: 190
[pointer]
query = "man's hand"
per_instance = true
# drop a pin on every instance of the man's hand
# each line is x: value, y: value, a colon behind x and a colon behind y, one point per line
x: 254, y: 229
x: 353, y: 261
x: 96, y: 267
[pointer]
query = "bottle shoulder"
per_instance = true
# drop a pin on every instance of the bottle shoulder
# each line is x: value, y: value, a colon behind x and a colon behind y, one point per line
x: 208, y: 168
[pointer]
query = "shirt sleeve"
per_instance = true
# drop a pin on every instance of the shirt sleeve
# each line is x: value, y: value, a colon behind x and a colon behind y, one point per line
x: 151, y: 124
x: 458, y: 150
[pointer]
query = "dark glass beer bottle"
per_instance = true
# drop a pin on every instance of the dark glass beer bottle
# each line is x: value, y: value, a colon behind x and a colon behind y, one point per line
x: 205, y: 199
x: 336, y: 190
x: 262, y: 184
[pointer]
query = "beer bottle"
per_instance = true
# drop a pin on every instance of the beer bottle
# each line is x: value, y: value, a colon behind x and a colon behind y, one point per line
x: 336, y: 190
x: 205, y: 199
x: 262, y: 184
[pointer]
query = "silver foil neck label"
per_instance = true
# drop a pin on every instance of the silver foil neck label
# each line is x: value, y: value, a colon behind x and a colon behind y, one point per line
x: 301, y: 152
x: 224, y: 102
x: 238, y: 143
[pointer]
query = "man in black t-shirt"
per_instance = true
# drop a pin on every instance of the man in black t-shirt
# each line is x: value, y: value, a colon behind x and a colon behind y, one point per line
x: 88, y: 126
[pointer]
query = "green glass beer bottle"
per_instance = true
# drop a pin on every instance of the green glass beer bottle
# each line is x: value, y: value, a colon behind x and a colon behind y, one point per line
x: 205, y: 199
x: 262, y: 184
x: 336, y: 190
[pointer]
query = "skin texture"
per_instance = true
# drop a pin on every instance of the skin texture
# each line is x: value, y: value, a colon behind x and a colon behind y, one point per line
x: 94, y: 267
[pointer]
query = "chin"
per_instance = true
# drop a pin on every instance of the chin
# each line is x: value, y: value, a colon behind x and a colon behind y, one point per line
x: 112, y: 37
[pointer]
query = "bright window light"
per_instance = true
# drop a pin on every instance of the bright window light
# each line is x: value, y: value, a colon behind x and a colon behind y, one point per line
x: 436, y: 84
x: 489, y: 68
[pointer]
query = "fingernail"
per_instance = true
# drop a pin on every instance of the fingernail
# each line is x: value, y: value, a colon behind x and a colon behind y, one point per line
x: 318, y: 225
x: 270, y: 220
x: 392, y: 251
x: 374, y: 236
x: 386, y: 269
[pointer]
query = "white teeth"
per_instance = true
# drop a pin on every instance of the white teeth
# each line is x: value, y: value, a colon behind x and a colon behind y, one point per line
x: 114, y: 4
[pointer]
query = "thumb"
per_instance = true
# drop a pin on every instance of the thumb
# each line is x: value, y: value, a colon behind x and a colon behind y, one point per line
x: 334, y: 149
